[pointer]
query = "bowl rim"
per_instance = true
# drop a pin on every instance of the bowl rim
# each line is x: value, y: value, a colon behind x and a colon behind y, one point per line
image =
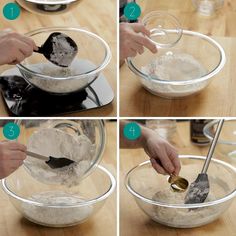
x: 95, y: 71
x: 85, y: 203
x: 215, y: 71
x: 207, y: 132
x: 50, y: 2
x: 183, y: 206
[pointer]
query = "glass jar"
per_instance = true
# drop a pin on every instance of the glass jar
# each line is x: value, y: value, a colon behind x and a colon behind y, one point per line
x: 207, y: 7
x: 164, y: 128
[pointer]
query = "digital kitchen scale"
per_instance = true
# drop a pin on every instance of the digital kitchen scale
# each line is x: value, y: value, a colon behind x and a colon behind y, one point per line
x: 23, y: 99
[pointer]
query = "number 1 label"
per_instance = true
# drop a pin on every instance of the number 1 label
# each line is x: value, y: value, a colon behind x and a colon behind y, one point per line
x: 11, y: 11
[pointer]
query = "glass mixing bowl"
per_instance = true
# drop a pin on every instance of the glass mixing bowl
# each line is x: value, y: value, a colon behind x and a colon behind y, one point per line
x: 226, y: 144
x: 172, y: 82
x: 93, y: 56
x: 153, y: 195
x: 55, y: 205
x: 94, y: 130
x: 49, y: 7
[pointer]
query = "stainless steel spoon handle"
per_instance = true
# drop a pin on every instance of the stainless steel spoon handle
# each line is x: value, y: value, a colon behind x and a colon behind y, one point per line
x: 212, y: 147
x: 36, y: 155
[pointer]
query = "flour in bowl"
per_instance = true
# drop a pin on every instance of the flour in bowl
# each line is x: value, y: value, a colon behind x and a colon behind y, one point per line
x: 56, y: 143
x: 174, y: 67
x: 56, y: 79
x: 56, y: 216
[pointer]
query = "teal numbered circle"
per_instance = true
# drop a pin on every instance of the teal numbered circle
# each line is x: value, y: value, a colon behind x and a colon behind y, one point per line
x: 11, y: 131
x: 132, y: 131
x: 11, y: 11
x: 132, y: 11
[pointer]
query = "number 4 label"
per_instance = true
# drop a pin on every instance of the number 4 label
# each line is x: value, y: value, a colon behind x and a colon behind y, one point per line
x: 132, y: 131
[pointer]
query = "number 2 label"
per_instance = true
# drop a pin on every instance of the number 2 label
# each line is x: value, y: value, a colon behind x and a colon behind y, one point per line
x: 132, y: 11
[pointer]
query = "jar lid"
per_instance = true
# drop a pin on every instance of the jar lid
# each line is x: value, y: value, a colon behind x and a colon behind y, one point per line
x: 165, y: 29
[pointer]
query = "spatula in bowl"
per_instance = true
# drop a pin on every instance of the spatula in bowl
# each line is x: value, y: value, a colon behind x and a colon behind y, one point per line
x: 199, y: 189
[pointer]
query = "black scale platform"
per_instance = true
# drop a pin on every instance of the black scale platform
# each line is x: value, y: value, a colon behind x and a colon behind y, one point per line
x: 25, y: 100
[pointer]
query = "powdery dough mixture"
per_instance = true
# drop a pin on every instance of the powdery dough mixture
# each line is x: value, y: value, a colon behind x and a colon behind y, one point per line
x: 177, y: 217
x: 56, y: 143
x: 56, y: 216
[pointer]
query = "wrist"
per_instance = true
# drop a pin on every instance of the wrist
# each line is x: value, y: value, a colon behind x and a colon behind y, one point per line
x: 145, y: 134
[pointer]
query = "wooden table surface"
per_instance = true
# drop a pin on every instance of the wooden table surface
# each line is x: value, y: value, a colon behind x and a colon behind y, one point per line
x: 218, y: 98
x: 132, y: 219
x: 98, y: 18
x: 102, y: 223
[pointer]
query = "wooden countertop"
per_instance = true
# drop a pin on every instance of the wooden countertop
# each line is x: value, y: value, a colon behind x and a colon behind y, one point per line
x: 100, y: 19
x: 102, y: 223
x: 132, y: 219
x: 218, y: 98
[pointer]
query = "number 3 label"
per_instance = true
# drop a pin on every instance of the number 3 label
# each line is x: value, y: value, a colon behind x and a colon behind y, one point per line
x: 132, y: 131
x: 132, y: 11
x: 11, y: 131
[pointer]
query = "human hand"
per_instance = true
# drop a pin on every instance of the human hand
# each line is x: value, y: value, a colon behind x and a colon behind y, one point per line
x: 133, y: 39
x: 163, y: 156
x: 15, y: 47
x: 12, y: 155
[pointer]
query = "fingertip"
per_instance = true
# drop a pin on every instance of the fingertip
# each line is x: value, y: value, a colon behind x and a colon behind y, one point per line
x: 171, y: 170
x: 154, y: 50
x: 35, y: 47
x: 147, y: 32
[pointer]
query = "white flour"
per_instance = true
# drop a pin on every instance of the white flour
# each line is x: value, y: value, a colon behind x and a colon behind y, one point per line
x: 56, y: 143
x: 171, y: 67
x: 63, y: 53
x: 57, y: 83
x: 56, y: 216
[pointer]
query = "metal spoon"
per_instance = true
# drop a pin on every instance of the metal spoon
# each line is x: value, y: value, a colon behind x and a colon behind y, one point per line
x: 59, y: 49
x: 177, y: 183
x: 199, y: 189
x: 52, y: 162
